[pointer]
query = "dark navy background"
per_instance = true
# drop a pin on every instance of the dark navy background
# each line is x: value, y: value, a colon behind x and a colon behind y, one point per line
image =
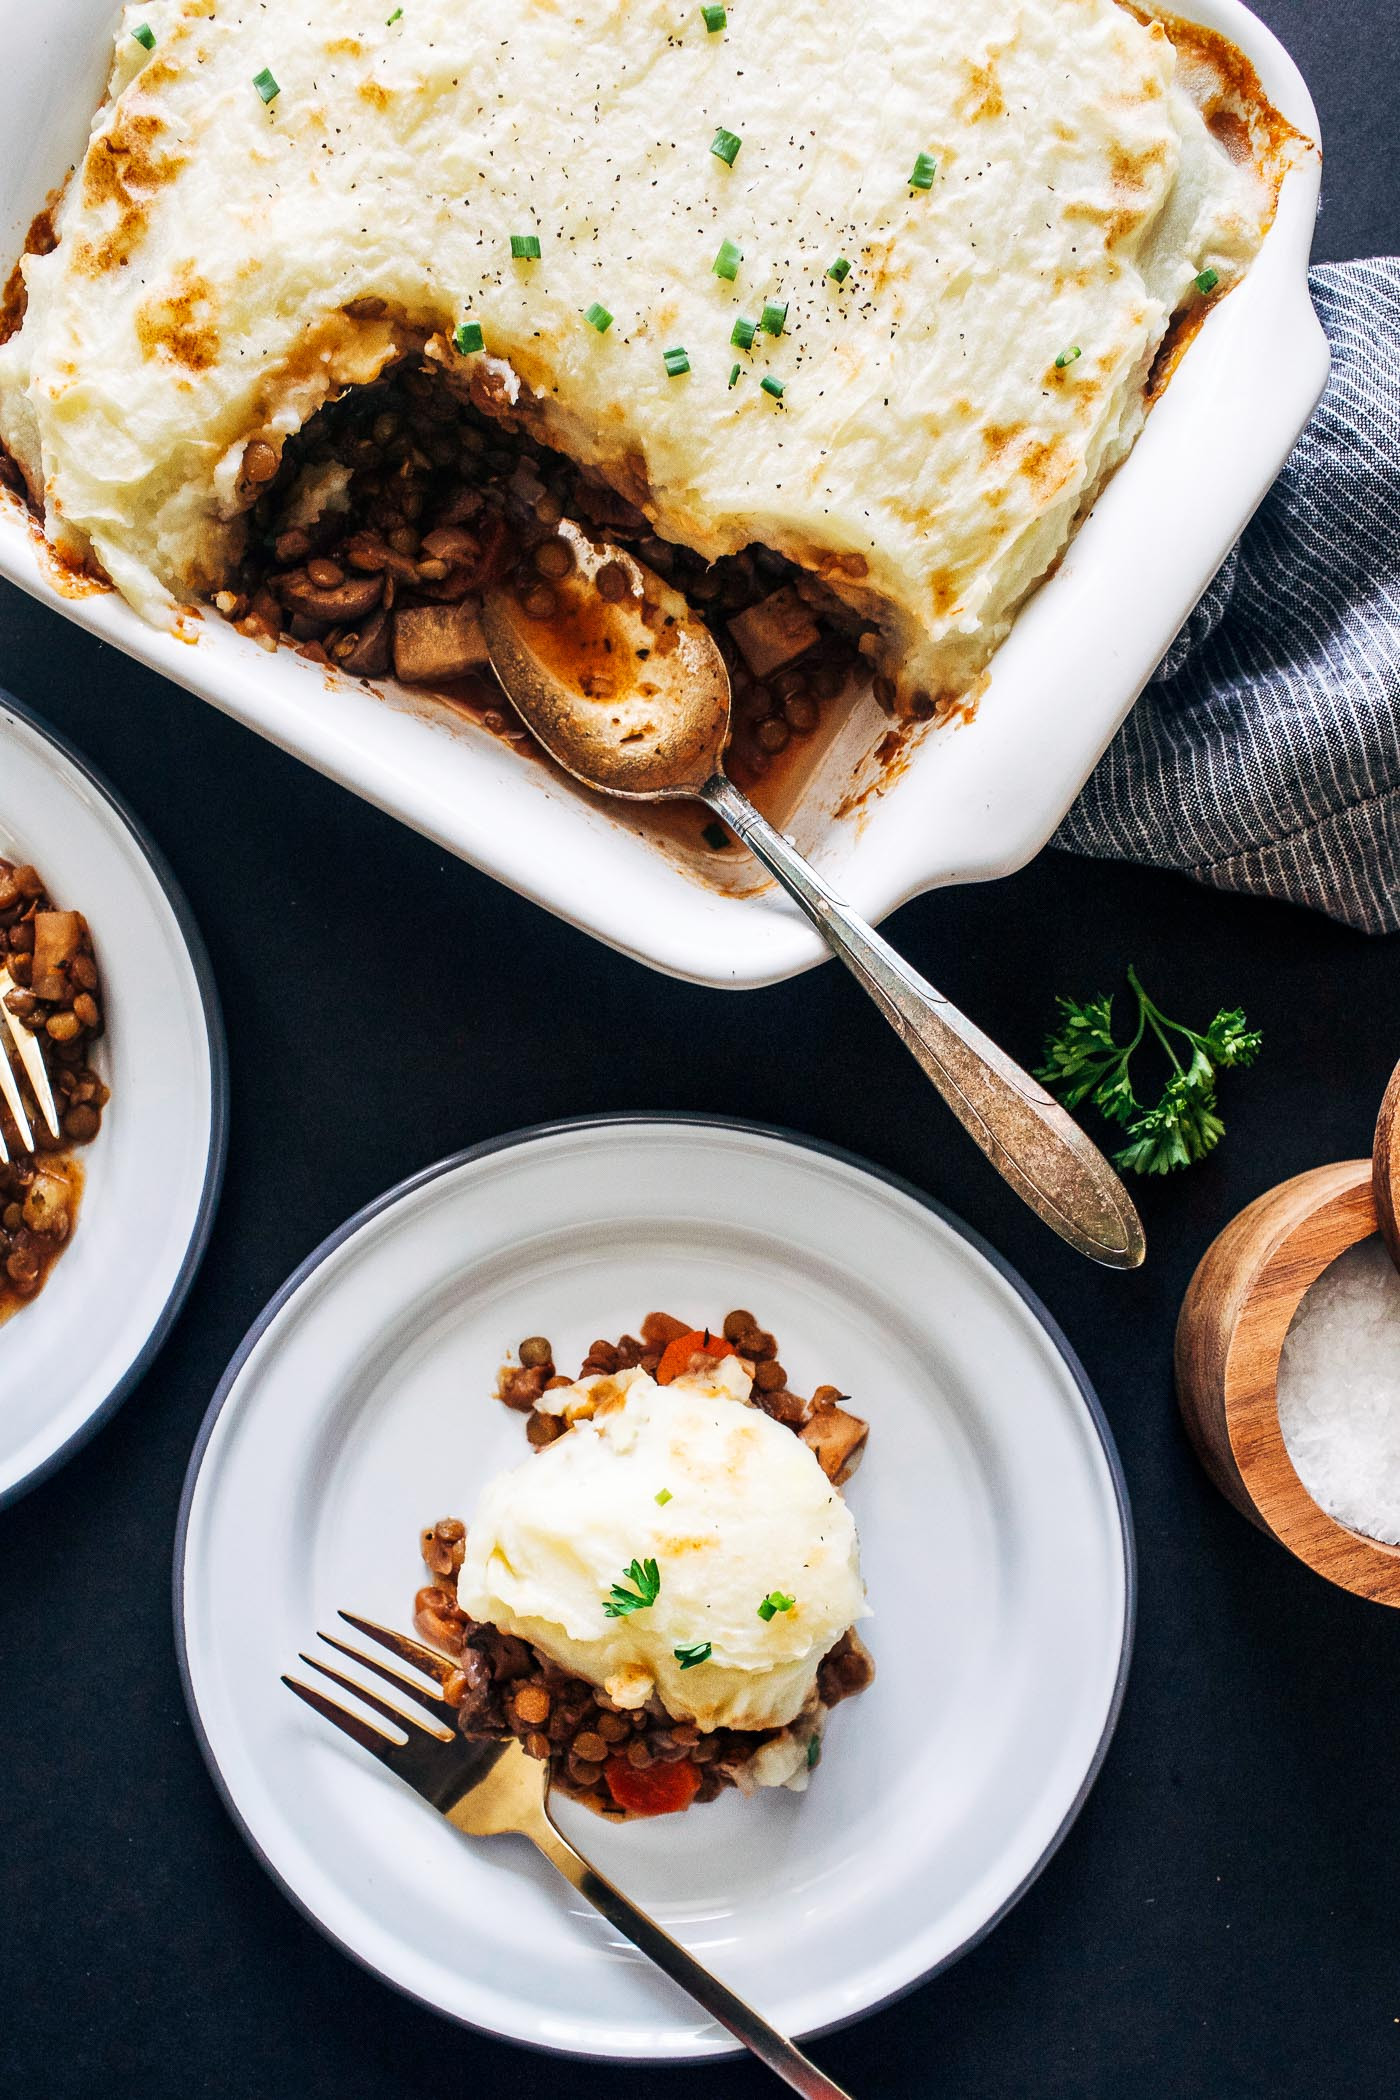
x: 1221, y: 1922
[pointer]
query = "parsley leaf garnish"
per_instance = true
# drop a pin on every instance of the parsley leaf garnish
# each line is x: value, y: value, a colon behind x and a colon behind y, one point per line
x: 697, y: 1652
x: 1084, y: 1061
x: 775, y: 1602
x: 645, y: 1577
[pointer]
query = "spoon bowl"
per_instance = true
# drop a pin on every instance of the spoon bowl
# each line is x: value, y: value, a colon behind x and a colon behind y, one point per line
x: 615, y: 675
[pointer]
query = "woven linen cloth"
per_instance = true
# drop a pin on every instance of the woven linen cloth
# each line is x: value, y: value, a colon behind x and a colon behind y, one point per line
x: 1265, y: 754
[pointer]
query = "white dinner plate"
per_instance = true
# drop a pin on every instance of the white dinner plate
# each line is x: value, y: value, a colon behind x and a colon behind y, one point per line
x: 996, y: 1541
x: 152, y: 1174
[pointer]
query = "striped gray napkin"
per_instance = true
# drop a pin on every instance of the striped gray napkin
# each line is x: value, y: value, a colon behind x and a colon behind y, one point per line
x: 1265, y: 754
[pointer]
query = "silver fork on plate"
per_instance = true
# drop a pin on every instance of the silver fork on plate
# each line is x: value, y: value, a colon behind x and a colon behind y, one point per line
x: 494, y: 1789
x: 21, y: 1053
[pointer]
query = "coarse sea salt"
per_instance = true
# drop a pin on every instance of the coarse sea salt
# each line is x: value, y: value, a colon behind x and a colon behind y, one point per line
x: 1339, y: 1391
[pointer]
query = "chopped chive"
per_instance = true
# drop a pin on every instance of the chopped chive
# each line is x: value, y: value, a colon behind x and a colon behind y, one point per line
x: 775, y: 387
x: 840, y: 270
x: 741, y: 335
x: 715, y: 837
x: 713, y: 18
x: 467, y: 338
x: 1207, y: 281
x: 266, y: 86
x: 725, y: 146
x: 775, y: 1602
x: 525, y: 247
x: 814, y: 1751
x: 662, y: 1497
x: 598, y: 317
x: 145, y: 35
x: 925, y: 168
x: 697, y: 1652
x: 773, y: 319
x: 396, y: 16
x: 734, y: 371
x: 675, y: 361
x: 1067, y: 357
x: 726, y: 263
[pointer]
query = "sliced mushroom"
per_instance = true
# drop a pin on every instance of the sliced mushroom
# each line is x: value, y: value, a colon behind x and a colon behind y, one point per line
x: 775, y: 632
x: 435, y: 642
x: 369, y: 658
x: 838, y: 1440
x: 343, y: 604
x: 58, y: 937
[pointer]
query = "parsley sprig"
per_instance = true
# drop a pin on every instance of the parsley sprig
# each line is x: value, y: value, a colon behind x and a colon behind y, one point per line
x: 1084, y: 1061
x: 645, y: 1577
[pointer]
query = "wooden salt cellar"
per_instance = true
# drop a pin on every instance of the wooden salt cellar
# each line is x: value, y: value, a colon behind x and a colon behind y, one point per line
x: 1231, y: 1332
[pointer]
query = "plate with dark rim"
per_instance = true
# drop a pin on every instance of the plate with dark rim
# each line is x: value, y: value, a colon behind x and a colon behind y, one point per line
x: 997, y: 1549
x: 151, y: 1177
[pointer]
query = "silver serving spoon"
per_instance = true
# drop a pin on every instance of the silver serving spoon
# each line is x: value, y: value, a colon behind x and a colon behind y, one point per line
x: 624, y: 686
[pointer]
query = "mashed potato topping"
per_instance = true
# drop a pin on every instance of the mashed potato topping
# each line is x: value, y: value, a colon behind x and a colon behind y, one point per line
x: 278, y: 201
x: 731, y: 1507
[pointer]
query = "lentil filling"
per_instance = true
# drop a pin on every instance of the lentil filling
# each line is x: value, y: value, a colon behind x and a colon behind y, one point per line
x: 372, y: 536
x: 56, y: 995
x: 633, y: 1762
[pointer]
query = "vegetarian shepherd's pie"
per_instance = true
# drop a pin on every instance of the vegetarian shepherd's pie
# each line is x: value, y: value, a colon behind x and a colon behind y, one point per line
x: 663, y: 1599
x: 879, y: 294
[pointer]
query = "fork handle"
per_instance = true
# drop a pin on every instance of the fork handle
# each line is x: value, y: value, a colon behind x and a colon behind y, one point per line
x: 722, y: 2004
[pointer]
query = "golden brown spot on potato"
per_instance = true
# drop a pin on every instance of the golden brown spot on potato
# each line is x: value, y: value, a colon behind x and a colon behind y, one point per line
x: 882, y: 265
x: 1133, y: 170
x: 375, y: 93
x: 1229, y: 129
x: 157, y: 72
x: 1049, y: 467
x: 125, y: 169
x: 981, y: 96
x: 345, y: 47
x: 180, y: 325
x: 683, y: 1545
x: 1119, y: 221
x: 943, y: 590
x: 998, y: 438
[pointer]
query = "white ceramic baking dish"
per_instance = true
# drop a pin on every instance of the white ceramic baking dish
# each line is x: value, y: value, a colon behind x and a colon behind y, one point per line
x: 972, y: 802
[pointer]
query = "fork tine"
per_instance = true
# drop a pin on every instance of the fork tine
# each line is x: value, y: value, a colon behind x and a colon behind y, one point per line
x: 425, y: 1659
x: 359, y: 1731
x: 427, y: 1696
x: 413, y: 1722
x: 9, y: 1086
x: 31, y: 1056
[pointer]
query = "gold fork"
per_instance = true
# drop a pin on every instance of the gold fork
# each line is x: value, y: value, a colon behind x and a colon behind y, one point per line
x: 26, y: 1048
x: 494, y: 1789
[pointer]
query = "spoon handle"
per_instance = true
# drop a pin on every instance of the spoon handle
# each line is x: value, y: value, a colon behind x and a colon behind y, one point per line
x: 1030, y: 1140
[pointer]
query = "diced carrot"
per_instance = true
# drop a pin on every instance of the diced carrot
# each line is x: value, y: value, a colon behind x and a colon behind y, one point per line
x: 678, y: 1353
x: 652, y: 1790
